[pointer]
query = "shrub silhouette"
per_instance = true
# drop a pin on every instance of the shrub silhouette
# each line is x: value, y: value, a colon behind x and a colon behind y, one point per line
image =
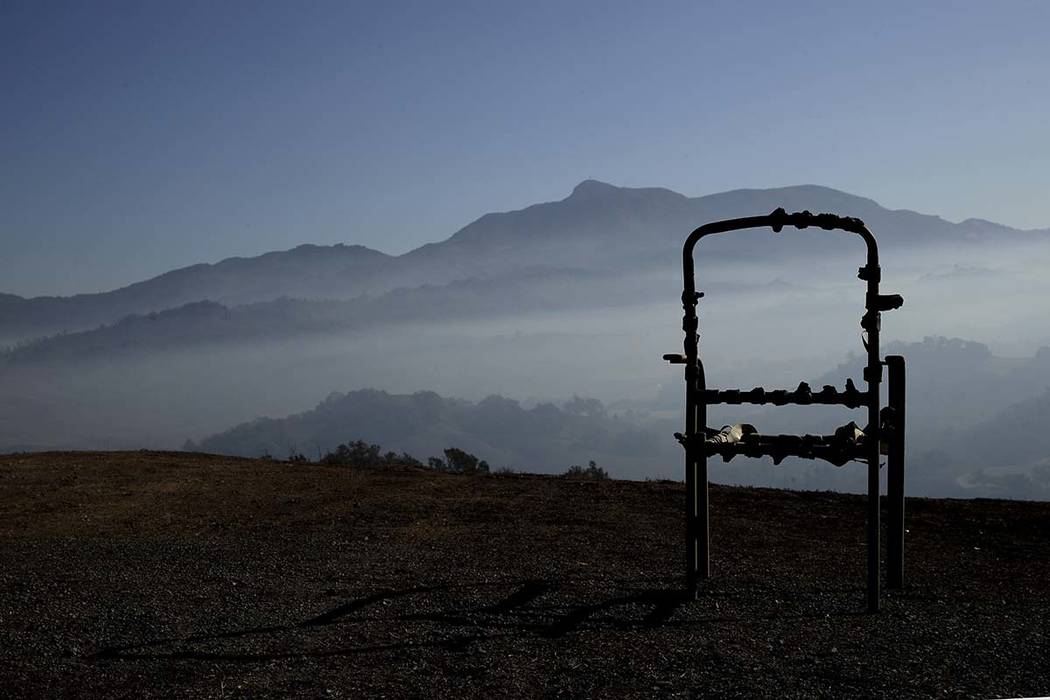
x: 459, y: 461
x: 360, y: 454
x: 591, y: 471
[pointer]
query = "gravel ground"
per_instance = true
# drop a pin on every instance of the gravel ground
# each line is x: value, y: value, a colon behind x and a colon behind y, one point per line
x: 166, y: 574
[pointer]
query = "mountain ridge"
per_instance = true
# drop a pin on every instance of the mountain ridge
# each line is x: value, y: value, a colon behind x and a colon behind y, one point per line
x: 597, y: 226
x: 585, y: 189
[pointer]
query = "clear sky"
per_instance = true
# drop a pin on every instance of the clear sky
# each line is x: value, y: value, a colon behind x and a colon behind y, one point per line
x: 138, y: 137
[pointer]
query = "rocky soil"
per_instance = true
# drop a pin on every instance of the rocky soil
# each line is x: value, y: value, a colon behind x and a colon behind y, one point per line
x: 168, y: 574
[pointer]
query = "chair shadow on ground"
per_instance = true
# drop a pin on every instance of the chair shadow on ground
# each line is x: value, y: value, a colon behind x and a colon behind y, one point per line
x: 527, y: 610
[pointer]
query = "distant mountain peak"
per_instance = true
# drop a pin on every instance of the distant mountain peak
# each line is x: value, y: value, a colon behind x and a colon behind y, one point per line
x: 595, y: 191
x: 974, y: 224
x: 594, y: 188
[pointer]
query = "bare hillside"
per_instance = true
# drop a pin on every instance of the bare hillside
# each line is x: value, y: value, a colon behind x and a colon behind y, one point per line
x: 162, y: 574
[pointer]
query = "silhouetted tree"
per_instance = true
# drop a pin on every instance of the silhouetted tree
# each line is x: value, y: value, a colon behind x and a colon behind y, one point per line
x: 461, y: 461
x: 591, y: 471
x: 361, y: 454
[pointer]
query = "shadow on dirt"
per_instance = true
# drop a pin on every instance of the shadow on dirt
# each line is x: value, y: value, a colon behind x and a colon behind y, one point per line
x: 532, y: 608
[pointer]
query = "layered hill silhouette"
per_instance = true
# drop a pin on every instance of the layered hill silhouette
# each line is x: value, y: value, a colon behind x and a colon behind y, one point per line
x: 207, y: 322
x: 980, y: 436
x: 598, y: 227
x: 546, y: 437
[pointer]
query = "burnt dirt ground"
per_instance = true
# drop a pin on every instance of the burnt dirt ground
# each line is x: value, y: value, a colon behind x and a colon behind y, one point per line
x: 166, y: 574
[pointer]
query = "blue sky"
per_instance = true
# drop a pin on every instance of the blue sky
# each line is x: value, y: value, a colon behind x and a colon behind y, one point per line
x: 142, y: 136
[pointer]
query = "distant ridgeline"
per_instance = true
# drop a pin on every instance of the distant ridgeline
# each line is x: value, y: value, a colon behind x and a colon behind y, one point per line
x: 546, y: 437
x: 983, y: 436
x: 598, y: 229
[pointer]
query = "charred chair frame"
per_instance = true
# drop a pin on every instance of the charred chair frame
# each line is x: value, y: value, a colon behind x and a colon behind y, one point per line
x: 886, y: 425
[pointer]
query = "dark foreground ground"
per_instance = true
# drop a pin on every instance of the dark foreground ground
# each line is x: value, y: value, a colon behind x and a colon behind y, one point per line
x: 147, y: 574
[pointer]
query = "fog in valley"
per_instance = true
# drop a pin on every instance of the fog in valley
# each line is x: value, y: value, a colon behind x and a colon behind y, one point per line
x: 562, y: 310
